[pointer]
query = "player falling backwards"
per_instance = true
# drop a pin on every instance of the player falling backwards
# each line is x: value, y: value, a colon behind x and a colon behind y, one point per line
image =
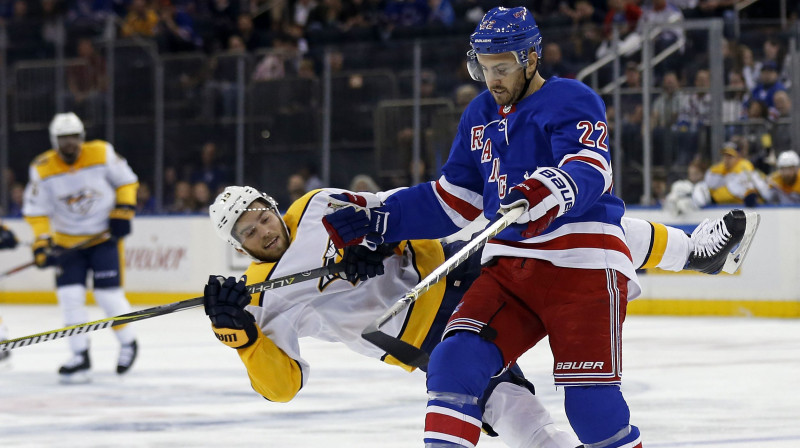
x: 76, y: 191
x: 266, y: 328
x: 564, y: 271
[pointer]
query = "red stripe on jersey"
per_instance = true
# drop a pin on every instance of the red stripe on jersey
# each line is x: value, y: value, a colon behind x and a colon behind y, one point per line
x: 462, y: 207
x: 574, y: 241
x: 588, y: 160
x: 441, y: 423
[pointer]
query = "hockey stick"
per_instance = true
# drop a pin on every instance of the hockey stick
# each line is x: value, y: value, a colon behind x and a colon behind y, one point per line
x: 736, y: 257
x: 164, y: 309
x: 100, y: 237
x: 403, y: 351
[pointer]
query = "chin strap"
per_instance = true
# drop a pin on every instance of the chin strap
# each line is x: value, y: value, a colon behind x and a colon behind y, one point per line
x: 527, y: 83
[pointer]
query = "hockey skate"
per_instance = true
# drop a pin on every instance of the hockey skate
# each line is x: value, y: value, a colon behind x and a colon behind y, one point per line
x: 127, y: 354
x: 721, y: 244
x: 76, y: 370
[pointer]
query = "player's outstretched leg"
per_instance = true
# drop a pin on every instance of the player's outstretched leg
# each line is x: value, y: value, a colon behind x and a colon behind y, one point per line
x: 127, y: 354
x: 76, y: 370
x: 714, y: 240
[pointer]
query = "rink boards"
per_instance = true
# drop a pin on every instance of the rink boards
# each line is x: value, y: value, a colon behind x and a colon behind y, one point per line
x: 169, y: 258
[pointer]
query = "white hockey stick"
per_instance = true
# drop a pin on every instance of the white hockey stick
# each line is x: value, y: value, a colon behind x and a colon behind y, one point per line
x: 164, y: 309
x: 403, y: 351
x: 736, y: 257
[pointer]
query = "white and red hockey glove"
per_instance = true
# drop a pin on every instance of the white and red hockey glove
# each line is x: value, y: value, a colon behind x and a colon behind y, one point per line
x: 352, y: 219
x: 547, y: 194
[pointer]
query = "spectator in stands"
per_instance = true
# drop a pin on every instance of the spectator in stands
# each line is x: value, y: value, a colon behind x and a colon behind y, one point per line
x: 177, y: 32
x: 661, y: 12
x: 767, y: 86
x: 781, y: 127
x: 209, y: 170
x: 464, y: 94
x: 301, y: 11
x: 87, y: 17
x: 295, y: 187
x: 624, y: 13
x: 663, y: 116
x: 733, y: 104
x: 632, y: 112
x: 715, y: 8
x: 16, y: 194
x: 141, y: 20
x: 253, y: 39
x: 746, y: 64
x: 774, y: 51
x: 223, y: 19
x: 734, y: 180
x: 784, y: 183
x: 693, y: 118
x: 52, y: 13
x: 553, y: 64
x: 689, y: 194
x: 327, y: 18
x: 87, y: 81
x: 21, y: 28
x: 184, y: 199
x: 201, y: 196
x: 407, y: 13
x: 363, y: 183
x: 145, y: 202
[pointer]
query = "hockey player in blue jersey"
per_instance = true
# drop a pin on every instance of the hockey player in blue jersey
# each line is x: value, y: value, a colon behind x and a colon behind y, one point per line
x: 563, y: 270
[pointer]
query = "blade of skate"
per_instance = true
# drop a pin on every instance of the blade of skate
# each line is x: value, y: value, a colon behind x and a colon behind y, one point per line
x: 736, y: 257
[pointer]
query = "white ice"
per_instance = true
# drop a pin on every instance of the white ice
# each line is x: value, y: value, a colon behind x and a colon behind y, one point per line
x: 690, y: 382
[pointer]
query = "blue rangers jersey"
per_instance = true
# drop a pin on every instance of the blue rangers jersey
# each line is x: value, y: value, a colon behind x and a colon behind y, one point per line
x: 563, y: 124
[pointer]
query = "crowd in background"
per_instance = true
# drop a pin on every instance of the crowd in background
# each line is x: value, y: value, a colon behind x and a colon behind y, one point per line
x: 577, y: 32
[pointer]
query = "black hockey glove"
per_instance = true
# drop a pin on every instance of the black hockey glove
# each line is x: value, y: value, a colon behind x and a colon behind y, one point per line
x: 7, y: 238
x: 119, y: 222
x: 45, y: 253
x: 361, y: 263
x: 224, y: 302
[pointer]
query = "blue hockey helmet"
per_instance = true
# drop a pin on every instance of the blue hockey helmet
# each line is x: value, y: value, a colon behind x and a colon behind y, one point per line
x: 504, y: 30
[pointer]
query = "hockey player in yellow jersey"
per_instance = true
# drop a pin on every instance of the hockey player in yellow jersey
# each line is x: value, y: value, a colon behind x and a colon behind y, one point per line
x: 77, y: 191
x: 734, y: 180
x: 784, y: 182
x: 265, y: 328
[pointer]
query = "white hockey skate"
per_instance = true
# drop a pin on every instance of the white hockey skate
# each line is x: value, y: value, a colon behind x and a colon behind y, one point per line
x: 127, y: 354
x: 721, y: 244
x: 76, y: 370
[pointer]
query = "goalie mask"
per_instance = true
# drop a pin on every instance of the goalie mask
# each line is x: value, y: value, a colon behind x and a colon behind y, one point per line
x: 229, y: 206
x: 503, y: 30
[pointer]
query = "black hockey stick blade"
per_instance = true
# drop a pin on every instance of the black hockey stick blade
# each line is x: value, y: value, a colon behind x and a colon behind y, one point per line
x: 163, y: 309
x: 91, y: 241
x: 403, y: 351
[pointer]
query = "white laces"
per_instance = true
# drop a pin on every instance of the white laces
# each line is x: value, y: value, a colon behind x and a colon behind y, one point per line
x: 709, y: 237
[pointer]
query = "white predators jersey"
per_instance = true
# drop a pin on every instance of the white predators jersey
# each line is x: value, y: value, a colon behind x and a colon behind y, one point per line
x: 77, y: 198
x: 331, y: 308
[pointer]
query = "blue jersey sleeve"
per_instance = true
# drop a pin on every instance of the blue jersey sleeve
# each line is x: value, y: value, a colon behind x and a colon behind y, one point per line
x: 579, y: 142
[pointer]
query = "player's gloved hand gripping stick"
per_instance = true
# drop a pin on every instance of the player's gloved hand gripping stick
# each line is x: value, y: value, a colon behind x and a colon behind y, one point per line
x: 403, y: 351
x: 49, y: 256
x: 164, y: 309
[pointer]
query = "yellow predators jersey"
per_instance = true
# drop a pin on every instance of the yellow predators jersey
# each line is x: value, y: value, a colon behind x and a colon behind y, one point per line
x: 785, y: 193
x: 331, y: 308
x: 75, y: 201
x: 731, y: 187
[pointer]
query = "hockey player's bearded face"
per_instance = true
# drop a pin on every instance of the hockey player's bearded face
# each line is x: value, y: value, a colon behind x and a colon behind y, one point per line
x: 262, y: 233
x: 504, y: 76
x: 69, y: 148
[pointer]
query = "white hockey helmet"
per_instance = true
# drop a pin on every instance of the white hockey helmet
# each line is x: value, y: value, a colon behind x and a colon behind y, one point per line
x: 788, y: 159
x: 65, y: 124
x: 229, y: 206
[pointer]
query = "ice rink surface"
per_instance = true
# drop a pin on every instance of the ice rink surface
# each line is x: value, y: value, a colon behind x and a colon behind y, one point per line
x: 690, y: 382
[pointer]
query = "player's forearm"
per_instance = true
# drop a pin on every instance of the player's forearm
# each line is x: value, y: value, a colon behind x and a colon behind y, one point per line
x: 415, y: 213
x: 273, y: 374
x: 39, y: 224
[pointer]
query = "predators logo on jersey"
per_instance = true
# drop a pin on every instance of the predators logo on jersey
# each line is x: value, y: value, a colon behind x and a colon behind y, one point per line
x: 332, y: 255
x: 81, y: 202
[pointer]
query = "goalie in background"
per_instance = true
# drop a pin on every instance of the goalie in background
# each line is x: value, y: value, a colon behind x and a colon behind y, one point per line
x: 265, y: 328
x: 7, y: 241
x: 77, y: 191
